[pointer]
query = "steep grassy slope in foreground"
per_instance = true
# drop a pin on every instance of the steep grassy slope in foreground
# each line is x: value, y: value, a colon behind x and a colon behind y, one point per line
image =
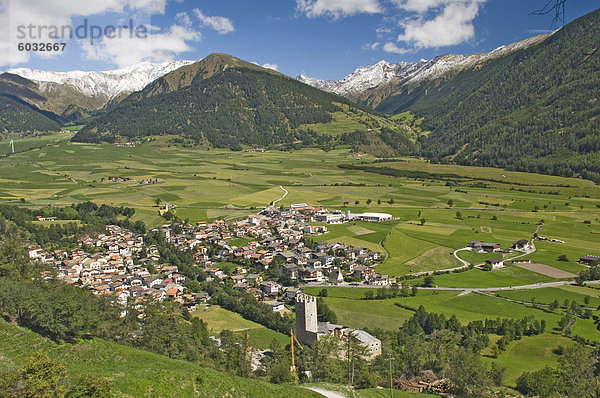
x: 135, y: 373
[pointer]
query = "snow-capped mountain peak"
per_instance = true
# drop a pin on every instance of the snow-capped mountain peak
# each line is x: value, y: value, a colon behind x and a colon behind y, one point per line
x: 103, y: 84
x: 370, y: 77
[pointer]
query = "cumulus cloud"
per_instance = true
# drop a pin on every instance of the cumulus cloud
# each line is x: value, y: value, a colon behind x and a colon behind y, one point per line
x: 418, y: 24
x: 421, y: 6
x: 452, y: 25
x: 337, y: 8
x: 270, y: 66
x: 390, y: 47
x: 266, y: 65
x: 130, y: 49
x: 220, y: 24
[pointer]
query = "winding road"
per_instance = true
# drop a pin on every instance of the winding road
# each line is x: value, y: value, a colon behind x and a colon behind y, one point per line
x: 284, y: 195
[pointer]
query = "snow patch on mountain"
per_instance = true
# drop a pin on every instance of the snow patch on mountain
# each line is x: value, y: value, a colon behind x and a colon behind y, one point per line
x: 411, y: 73
x: 103, y: 84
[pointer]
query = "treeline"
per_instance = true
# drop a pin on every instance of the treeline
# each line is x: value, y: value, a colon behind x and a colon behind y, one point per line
x: 390, y: 171
x: 534, y: 110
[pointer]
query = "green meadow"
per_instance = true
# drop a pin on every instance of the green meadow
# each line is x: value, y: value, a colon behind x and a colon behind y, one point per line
x: 527, y: 354
x: 219, y: 319
x: 153, y: 375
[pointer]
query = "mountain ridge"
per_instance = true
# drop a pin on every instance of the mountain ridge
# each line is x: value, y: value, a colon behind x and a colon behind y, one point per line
x: 363, y: 84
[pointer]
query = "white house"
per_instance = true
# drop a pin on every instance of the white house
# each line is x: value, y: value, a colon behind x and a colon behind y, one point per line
x: 495, y: 263
x: 277, y: 306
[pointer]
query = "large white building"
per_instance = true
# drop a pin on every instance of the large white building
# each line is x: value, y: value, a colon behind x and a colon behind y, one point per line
x: 372, y: 217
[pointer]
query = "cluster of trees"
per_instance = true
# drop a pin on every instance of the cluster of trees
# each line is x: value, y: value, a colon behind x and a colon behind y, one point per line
x: 390, y: 292
x: 575, y: 376
x: 387, y: 142
x: 42, y: 377
x: 390, y: 171
x: 589, y: 274
x: 434, y: 342
x: 53, y: 309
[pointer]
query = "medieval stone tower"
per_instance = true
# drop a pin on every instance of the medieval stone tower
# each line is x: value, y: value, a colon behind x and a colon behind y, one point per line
x: 306, y: 318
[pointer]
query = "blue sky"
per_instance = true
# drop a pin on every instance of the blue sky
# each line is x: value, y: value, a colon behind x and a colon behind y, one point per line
x: 326, y: 39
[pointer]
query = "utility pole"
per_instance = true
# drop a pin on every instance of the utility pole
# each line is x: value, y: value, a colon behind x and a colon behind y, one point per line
x: 390, y: 359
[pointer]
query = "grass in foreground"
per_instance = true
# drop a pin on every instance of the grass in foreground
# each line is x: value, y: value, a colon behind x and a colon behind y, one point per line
x: 136, y: 373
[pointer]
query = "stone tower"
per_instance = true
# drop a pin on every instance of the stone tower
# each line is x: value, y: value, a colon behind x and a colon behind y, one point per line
x: 306, y: 318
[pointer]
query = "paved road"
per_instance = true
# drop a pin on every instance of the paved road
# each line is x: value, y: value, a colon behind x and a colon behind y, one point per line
x: 465, y: 263
x: 463, y: 289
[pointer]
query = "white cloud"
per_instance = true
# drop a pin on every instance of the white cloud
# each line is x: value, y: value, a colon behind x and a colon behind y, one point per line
x: 266, y: 65
x: 390, y: 47
x: 59, y: 13
x: 421, y: 6
x: 371, y: 46
x: 452, y: 25
x: 221, y: 24
x: 129, y: 49
x: 270, y: 66
x: 337, y: 8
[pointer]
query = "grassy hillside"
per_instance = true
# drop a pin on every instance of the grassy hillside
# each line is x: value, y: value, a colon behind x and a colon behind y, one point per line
x: 132, y: 372
x: 533, y: 110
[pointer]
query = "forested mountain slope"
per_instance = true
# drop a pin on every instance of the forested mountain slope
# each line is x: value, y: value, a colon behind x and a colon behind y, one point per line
x: 534, y: 110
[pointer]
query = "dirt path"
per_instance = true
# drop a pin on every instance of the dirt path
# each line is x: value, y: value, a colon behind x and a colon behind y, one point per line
x: 326, y: 393
x: 284, y: 195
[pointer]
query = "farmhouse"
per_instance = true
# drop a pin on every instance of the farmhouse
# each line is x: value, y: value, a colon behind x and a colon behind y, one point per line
x: 495, y: 263
x: 34, y: 251
x: 480, y: 247
x: 522, y: 244
x: 588, y: 259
